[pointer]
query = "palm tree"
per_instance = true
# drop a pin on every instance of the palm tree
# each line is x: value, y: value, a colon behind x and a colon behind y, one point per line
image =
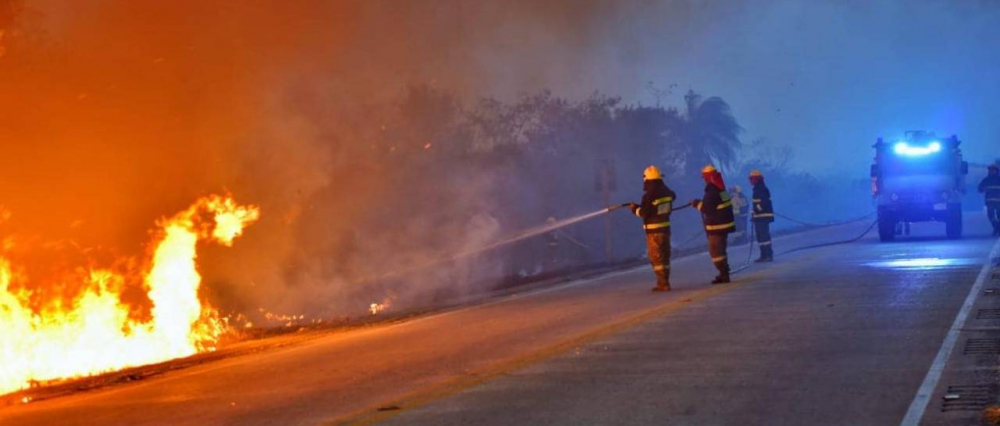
x: 707, y: 131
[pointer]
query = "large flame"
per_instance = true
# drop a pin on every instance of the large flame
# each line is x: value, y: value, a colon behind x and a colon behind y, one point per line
x: 96, y: 333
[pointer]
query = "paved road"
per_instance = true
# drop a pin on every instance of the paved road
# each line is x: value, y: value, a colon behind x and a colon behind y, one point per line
x: 842, y: 335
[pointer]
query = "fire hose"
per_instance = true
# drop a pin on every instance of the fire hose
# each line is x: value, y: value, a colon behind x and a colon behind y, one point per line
x: 752, y: 240
x: 623, y: 205
x: 747, y: 263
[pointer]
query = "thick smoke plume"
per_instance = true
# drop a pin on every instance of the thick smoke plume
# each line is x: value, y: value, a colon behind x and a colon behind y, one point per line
x: 358, y: 126
x: 118, y: 112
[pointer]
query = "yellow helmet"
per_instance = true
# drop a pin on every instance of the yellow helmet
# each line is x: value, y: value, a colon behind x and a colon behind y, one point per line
x: 756, y: 173
x: 651, y: 173
x: 708, y: 169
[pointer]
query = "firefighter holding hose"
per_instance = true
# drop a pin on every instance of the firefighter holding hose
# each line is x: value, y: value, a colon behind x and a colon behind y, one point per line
x: 657, y: 203
x: 716, y: 208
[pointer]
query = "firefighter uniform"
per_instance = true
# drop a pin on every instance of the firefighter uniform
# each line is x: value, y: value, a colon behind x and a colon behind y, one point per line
x: 763, y: 215
x: 716, y: 208
x: 657, y: 203
x: 990, y: 187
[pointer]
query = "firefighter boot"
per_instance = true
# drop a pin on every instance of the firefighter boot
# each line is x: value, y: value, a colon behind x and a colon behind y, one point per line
x: 723, y: 276
x: 766, y: 253
x: 662, y: 280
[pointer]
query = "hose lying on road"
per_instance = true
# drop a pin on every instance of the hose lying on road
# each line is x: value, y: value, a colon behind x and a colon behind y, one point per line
x: 863, y: 234
x: 791, y: 219
x: 747, y: 264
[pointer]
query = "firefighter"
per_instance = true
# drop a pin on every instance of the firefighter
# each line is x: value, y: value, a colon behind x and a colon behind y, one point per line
x: 657, y: 203
x: 990, y: 186
x: 716, y: 209
x: 741, y: 209
x: 763, y: 215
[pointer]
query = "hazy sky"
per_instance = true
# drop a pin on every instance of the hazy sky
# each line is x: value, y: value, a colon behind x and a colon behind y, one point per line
x: 828, y: 76
x: 825, y: 76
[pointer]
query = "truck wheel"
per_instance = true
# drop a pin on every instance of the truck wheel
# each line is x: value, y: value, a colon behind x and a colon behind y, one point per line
x: 953, y: 225
x: 886, y: 227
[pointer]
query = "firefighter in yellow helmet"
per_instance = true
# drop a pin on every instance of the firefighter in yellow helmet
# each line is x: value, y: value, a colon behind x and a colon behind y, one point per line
x: 763, y: 215
x: 716, y: 208
x: 657, y: 203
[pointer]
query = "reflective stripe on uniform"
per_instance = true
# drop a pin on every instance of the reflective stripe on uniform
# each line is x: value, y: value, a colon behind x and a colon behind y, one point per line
x: 656, y: 225
x: 724, y: 205
x: 660, y: 267
x: 719, y: 259
x: 718, y: 227
x: 756, y: 215
x: 659, y: 201
x: 758, y: 200
x: 663, y: 205
x: 766, y: 243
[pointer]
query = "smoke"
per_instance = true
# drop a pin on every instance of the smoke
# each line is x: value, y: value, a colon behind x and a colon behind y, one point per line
x: 118, y: 112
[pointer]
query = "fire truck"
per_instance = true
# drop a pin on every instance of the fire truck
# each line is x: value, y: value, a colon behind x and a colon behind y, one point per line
x: 919, y: 178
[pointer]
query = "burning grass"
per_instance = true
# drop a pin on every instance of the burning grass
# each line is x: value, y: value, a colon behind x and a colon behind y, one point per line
x: 95, y: 331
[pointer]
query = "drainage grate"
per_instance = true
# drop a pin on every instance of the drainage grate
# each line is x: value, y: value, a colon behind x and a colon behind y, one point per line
x: 982, y: 346
x: 968, y: 397
x: 988, y: 314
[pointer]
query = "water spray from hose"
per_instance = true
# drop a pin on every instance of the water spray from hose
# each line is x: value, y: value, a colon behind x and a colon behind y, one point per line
x: 523, y: 235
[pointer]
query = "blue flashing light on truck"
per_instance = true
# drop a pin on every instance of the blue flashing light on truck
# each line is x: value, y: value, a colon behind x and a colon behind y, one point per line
x: 920, y: 178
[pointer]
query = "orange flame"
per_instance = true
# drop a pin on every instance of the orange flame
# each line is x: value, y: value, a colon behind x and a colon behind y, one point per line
x: 96, y: 334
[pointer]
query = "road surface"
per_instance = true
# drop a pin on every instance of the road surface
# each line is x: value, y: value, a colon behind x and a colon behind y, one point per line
x: 837, y: 335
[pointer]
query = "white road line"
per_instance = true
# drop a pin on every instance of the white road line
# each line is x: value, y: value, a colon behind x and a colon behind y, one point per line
x: 923, y: 397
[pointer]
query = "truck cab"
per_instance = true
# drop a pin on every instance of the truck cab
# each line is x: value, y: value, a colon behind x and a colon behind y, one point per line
x: 918, y: 178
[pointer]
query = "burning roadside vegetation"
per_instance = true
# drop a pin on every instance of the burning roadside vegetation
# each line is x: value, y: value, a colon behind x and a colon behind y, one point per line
x: 378, y: 185
x: 94, y: 330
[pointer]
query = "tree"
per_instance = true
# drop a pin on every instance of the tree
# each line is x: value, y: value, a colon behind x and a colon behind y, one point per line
x: 707, y: 131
